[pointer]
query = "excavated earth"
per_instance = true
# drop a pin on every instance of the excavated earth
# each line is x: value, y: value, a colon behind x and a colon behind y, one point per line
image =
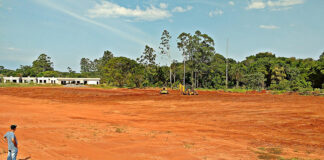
x: 140, y: 124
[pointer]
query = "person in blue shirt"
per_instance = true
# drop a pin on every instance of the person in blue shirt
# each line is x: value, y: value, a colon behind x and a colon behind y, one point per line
x: 12, y: 143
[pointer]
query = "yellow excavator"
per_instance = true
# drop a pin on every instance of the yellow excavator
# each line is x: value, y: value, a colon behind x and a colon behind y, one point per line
x: 164, y: 91
x: 187, y: 90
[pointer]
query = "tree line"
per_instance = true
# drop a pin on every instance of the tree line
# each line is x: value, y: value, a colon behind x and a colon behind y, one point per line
x: 201, y: 67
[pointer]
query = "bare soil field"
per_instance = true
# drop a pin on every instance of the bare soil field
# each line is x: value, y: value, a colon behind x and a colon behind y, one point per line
x: 133, y: 124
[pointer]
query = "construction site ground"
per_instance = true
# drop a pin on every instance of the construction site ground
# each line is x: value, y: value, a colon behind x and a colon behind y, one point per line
x: 140, y: 124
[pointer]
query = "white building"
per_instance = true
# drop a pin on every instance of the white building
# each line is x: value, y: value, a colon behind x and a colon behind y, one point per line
x: 28, y: 80
x: 90, y: 81
x: 46, y: 80
x: 52, y: 80
x: 11, y: 79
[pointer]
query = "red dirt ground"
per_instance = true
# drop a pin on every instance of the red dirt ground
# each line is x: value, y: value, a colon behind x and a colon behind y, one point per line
x: 133, y: 124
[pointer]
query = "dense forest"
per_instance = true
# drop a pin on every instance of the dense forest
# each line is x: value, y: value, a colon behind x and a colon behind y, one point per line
x: 202, y: 67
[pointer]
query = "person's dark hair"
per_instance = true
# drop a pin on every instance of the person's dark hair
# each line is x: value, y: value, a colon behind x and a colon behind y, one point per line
x: 13, y: 127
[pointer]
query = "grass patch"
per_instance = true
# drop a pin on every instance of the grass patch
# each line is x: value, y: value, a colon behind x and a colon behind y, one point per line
x: 274, y: 150
x: 188, y: 145
x: 268, y: 156
x: 206, y: 89
x: 274, y: 154
x: 269, y: 153
x: 119, y: 130
x: 278, y: 92
x: 237, y: 90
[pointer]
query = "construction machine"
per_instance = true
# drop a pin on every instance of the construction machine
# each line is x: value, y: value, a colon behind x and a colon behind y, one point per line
x: 164, y: 91
x: 187, y: 90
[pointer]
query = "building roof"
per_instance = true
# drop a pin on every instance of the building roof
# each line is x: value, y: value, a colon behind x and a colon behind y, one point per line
x: 75, y: 79
x: 58, y: 78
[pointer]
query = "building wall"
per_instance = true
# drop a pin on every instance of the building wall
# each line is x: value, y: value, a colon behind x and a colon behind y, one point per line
x: 51, y: 80
x: 47, y: 80
x: 11, y: 79
x: 28, y: 80
x: 92, y: 82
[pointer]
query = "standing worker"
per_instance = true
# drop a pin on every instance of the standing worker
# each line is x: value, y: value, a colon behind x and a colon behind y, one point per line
x: 12, y: 143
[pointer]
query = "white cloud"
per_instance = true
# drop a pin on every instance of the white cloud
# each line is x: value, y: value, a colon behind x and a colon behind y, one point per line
x: 277, y: 5
x: 256, y: 4
x: 268, y: 27
x: 12, y: 49
x: 180, y: 9
x: 109, y: 9
x: 280, y: 8
x: 284, y: 3
x: 163, y: 5
x: 231, y: 3
x: 215, y: 13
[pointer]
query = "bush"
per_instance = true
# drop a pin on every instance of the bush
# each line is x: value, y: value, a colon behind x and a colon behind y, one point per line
x: 322, y: 91
x: 159, y: 84
x: 283, y: 85
x: 254, y: 81
x: 305, y: 91
x: 278, y: 92
x: 300, y: 85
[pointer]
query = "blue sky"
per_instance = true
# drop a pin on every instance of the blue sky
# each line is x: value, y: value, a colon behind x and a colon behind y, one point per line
x: 68, y: 30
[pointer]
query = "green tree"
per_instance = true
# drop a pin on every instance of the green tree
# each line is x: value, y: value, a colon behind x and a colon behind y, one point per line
x: 317, y: 75
x: 119, y: 71
x: 203, y: 50
x: 71, y: 72
x: 237, y: 72
x: 42, y: 64
x: 86, y: 65
x: 99, y: 64
x: 165, y: 49
x: 49, y: 74
x: 215, y: 78
x: 261, y: 63
x: 148, y: 57
x: 185, y: 45
x: 137, y: 76
x: 321, y: 58
x: 278, y: 74
x: 254, y: 81
x: 26, y: 70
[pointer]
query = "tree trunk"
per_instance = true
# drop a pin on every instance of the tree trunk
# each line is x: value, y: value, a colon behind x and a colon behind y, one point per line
x: 174, y: 77
x: 195, y: 79
x: 237, y: 83
x: 192, y: 79
x: 170, y: 77
x: 184, y: 72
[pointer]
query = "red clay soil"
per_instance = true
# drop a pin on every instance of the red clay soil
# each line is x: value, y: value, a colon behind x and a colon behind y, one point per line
x: 133, y: 124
